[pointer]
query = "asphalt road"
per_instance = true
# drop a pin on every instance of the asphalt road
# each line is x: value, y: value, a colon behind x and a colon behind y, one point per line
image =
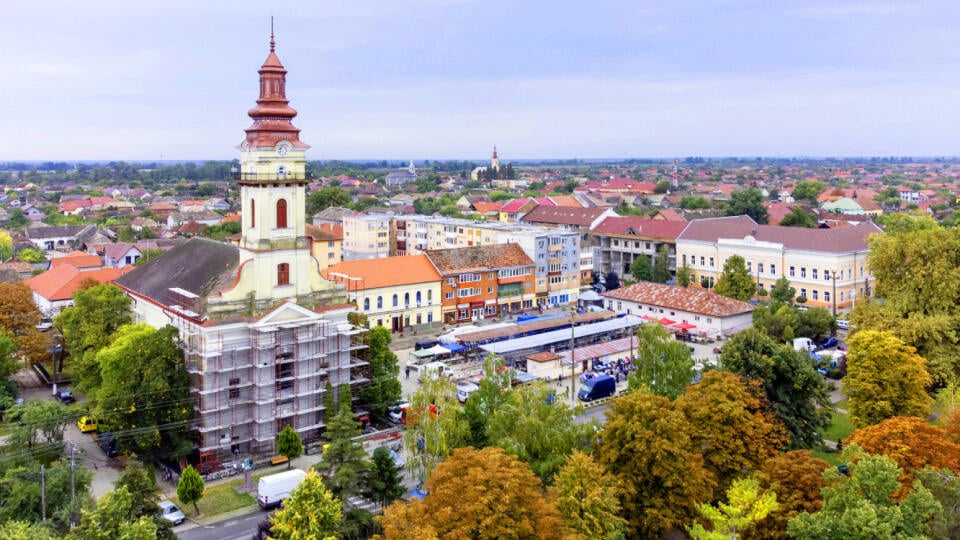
x: 235, y: 528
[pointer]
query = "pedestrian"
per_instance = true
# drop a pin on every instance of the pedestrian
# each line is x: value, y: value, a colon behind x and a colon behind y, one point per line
x: 559, y: 379
x: 408, y: 371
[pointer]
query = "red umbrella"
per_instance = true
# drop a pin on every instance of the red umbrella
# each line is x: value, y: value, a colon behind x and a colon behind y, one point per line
x: 684, y: 326
x: 666, y: 322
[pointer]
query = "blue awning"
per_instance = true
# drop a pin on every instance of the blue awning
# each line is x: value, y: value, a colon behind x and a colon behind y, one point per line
x: 454, y: 347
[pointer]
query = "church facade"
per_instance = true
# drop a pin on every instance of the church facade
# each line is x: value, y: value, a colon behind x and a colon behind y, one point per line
x: 263, y: 333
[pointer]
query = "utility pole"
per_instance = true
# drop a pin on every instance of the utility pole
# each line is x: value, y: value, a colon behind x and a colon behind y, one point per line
x: 73, y: 489
x: 573, y: 368
x: 43, y: 494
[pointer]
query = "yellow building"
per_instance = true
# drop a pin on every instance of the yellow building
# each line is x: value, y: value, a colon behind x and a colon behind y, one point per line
x: 826, y: 266
x: 326, y: 244
x: 393, y: 292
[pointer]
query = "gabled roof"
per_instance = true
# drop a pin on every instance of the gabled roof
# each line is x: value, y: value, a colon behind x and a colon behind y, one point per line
x: 680, y: 298
x: 641, y: 227
x: 515, y: 205
x: 384, y: 272
x: 199, y: 266
x: 564, y: 215
x: 118, y: 250
x: 478, y: 258
x: 78, y: 259
x: 325, y: 233
x: 55, y: 231
x: 60, y: 282
x: 838, y: 240
x: 332, y: 213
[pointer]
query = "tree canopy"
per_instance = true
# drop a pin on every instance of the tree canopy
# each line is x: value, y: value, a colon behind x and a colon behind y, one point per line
x: 435, y: 427
x: 807, y: 190
x: 641, y: 269
x: 885, y: 378
x: 799, y: 217
x: 88, y: 325
x: 913, y: 443
x: 384, y: 388
x: 480, y: 494
x: 796, y: 477
x: 311, y: 512
x: 747, y: 202
x: 661, y: 265
x: 790, y: 381
x: 327, y: 197
x: 190, y: 487
x: 289, y: 443
x: 647, y: 446
x: 588, y: 498
x: 115, y: 517
x: 746, y: 505
x: 735, y: 281
x: 664, y: 366
x: 19, y: 315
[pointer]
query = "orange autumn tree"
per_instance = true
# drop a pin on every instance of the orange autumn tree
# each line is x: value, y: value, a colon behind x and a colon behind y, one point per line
x: 797, y: 478
x: 736, y: 430
x: 20, y: 316
x: 911, y: 442
x: 478, y: 494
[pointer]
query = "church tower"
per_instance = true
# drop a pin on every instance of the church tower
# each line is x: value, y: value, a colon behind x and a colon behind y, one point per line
x: 272, y: 181
x: 495, y: 161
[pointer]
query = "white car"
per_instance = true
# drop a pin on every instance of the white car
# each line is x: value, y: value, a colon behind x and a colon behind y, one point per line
x: 171, y: 512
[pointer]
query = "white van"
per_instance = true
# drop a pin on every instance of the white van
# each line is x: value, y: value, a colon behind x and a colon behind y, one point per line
x: 274, y: 488
x: 464, y: 389
x: 804, y: 343
x: 431, y: 371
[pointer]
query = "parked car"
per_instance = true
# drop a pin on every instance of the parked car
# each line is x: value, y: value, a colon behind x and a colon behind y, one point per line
x: 86, y: 424
x: 65, y: 396
x: 395, y: 413
x: 108, y: 444
x: 830, y: 342
x: 598, y: 387
x: 171, y: 512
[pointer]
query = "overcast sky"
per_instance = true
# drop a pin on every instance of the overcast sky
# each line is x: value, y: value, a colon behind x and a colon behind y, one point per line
x: 427, y: 79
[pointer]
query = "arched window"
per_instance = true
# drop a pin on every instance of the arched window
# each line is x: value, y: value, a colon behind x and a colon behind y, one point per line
x: 418, y: 297
x: 366, y: 304
x: 283, y: 274
x: 282, y: 214
x: 379, y: 302
x: 406, y: 299
x: 253, y: 213
x: 394, y: 300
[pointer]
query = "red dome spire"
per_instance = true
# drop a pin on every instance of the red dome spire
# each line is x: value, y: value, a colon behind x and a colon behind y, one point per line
x: 272, y: 117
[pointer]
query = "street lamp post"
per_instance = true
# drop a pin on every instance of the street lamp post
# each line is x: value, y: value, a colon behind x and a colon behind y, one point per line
x: 573, y: 368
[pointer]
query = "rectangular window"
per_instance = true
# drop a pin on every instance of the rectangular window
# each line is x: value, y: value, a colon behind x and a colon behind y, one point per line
x: 826, y: 296
x: 759, y: 268
x: 464, y: 313
x: 283, y: 274
x: 803, y: 293
x: 773, y: 269
x: 750, y: 266
x: 449, y: 295
x: 826, y: 274
x: 803, y: 271
x: 815, y: 295
x: 711, y: 262
x: 813, y: 273
x: 703, y: 260
x: 234, y: 393
x: 792, y: 274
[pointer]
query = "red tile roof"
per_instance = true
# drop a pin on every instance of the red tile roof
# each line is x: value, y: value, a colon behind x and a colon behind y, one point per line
x: 78, y: 259
x: 640, y: 227
x: 478, y: 258
x: 60, y: 282
x: 385, y: 272
x: 563, y: 215
x: 325, y: 232
x: 679, y: 298
x: 840, y: 240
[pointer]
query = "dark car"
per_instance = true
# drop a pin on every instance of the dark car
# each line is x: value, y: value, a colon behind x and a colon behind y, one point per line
x: 65, y: 396
x: 108, y: 444
x: 830, y: 342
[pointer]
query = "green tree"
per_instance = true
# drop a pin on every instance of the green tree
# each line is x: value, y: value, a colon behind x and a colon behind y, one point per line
x: 684, y: 276
x: 796, y: 391
x: 495, y: 385
x: 38, y: 423
x: 746, y: 504
x: 22, y: 497
x: 311, y: 512
x: 141, y: 483
x: 17, y: 219
x: 32, y: 255
x: 6, y: 246
x: 662, y: 187
x: 384, y: 387
x: 799, y: 217
x: 148, y: 255
x: 782, y: 292
x: 641, y: 269
x: 435, y: 427
x: 386, y: 482
x: 693, y: 202
x: 944, y: 485
x: 539, y: 429
x: 344, y: 465
x: 735, y: 281
x: 863, y: 505
x: 587, y: 497
x: 190, y: 487
x: 885, y: 378
x: 115, y: 517
x: 137, y: 397
x: 747, y: 202
x: 327, y: 197
x: 24, y: 530
x: 664, y: 365
x: 779, y: 321
x: 647, y: 446
x: 88, y: 325
x: 289, y: 443
x: 796, y: 477
x: 808, y: 190
x: 815, y: 322
x: 661, y: 265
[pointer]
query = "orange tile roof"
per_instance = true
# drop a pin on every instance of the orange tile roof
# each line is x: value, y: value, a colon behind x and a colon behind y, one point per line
x: 60, y: 282
x: 78, y: 259
x: 385, y: 272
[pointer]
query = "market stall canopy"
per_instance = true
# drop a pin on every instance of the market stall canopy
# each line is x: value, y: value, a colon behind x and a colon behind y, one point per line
x: 666, y: 322
x: 684, y: 326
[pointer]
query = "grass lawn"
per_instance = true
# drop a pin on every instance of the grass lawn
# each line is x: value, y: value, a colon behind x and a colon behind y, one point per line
x: 219, y: 499
x: 833, y: 458
x: 842, y: 404
x: 840, y: 427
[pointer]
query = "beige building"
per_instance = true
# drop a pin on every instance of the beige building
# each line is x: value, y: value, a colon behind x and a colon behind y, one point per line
x: 366, y: 236
x: 826, y: 266
x: 326, y: 244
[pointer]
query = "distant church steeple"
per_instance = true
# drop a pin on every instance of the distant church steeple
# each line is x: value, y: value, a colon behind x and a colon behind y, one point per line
x: 495, y: 161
